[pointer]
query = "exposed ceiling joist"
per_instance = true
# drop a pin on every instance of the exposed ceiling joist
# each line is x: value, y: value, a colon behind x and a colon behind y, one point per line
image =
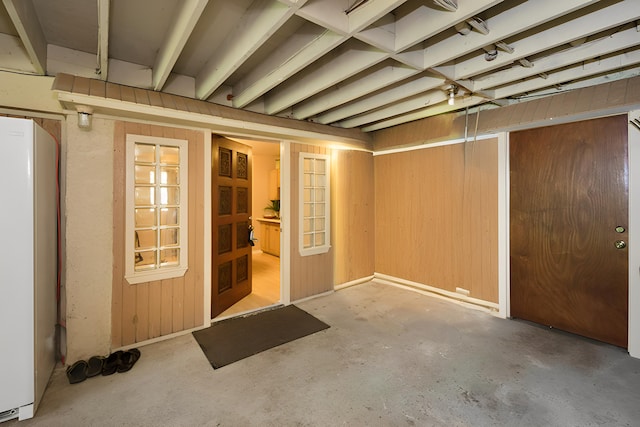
x: 380, y: 99
x: 361, y: 63
x: 616, y: 42
x: 250, y: 34
x: 185, y: 20
x: 25, y: 19
x: 577, y: 72
x: 352, y: 89
x: 326, y: 73
x: 556, y: 36
x: 521, y: 17
x: 274, y: 71
x: 427, y: 112
x: 103, y: 39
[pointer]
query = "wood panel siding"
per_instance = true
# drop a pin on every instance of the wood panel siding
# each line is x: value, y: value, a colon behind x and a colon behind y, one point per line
x: 310, y: 275
x: 353, y: 220
x: 101, y: 90
x: 607, y: 98
x: 436, y: 215
x: 149, y: 310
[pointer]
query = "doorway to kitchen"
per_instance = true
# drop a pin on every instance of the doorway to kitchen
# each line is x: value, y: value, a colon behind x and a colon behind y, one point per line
x: 265, y: 221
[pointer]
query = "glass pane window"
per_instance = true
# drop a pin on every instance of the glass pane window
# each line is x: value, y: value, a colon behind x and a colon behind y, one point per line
x: 314, y: 203
x: 156, y: 208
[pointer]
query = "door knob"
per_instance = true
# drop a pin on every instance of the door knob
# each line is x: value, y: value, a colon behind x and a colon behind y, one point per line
x: 620, y: 244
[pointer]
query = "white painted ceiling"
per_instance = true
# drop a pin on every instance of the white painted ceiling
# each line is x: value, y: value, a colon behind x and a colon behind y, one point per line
x: 368, y: 64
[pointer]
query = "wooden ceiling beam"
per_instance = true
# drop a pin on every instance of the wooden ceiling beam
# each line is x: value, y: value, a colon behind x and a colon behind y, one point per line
x: 259, y: 23
x: 103, y: 39
x: 185, y: 21
x: 24, y: 18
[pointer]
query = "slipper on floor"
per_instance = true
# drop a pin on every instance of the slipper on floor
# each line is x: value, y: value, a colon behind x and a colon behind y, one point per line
x: 95, y: 366
x: 77, y: 372
x: 128, y: 359
x: 110, y: 364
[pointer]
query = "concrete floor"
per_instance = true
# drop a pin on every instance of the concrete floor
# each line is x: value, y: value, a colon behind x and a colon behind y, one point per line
x: 392, y: 357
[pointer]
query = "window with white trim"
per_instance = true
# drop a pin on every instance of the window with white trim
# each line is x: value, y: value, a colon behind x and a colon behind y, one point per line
x: 156, y: 208
x: 314, y: 204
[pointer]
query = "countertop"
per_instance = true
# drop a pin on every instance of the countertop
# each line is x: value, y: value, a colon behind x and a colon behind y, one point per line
x: 271, y: 220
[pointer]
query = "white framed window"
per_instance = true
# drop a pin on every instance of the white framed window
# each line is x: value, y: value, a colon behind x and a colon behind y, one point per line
x: 156, y: 208
x: 314, y: 204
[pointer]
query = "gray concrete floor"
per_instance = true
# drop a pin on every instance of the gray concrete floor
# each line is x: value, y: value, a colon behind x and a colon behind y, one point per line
x: 392, y: 357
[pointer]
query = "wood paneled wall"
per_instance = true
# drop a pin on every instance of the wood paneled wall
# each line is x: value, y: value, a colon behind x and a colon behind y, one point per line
x: 353, y: 215
x: 437, y: 217
x: 149, y: 310
x: 310, y: 275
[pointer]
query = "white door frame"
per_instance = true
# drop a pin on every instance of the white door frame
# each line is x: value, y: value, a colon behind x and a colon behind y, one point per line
x: 285, y: 222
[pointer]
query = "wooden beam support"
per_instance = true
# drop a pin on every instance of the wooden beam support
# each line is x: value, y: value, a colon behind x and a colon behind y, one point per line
x: 103, y: 39
x: 176, y: 38
x: 24, y: 18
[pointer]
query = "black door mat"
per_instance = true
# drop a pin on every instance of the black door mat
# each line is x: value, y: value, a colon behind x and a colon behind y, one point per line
x: 231, y: 340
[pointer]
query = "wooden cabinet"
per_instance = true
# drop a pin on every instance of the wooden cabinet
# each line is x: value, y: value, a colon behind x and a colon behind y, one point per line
x: 270, y: 238
x: 274, y: 184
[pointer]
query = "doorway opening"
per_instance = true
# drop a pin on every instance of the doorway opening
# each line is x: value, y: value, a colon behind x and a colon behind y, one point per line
x: 266, y: 227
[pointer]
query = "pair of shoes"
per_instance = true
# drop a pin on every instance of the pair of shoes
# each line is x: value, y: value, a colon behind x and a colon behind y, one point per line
x: 77, y: 372
x: 82, y: 370
x: 128, y: 359
x: 94, y: 366
x: 120, y: 361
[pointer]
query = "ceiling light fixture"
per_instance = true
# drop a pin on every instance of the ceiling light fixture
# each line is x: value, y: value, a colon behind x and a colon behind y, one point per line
x: 85, y: 114
x: 490, y: 55
x: 450, y: 5
x: 453, y: 90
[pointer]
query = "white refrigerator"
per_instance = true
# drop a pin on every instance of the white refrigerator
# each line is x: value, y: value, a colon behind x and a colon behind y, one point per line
x: 28, y: 265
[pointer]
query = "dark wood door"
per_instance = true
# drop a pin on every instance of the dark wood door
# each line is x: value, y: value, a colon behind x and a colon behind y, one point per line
x: 569, y: 192
x: 231, y: 213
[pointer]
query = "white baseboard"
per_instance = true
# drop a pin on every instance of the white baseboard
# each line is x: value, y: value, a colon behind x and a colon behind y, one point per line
x: 312, y: 297
x: 353, y: 283
x: 474, y: 303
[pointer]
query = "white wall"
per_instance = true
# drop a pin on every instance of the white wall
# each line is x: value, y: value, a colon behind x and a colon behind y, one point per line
x: 28, y: 92
x: 88, y: 238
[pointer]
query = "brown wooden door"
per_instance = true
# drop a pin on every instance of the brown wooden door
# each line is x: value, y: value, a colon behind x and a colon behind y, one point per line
x: 569, y: 192
x: 231, y: 212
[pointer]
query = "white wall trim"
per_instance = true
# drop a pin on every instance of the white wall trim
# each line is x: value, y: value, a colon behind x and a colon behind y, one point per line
x: 433, y: 144
x: 503, y: 226
x: 477, y: 304
x: 353, y: 283
x: 207, y: 227
x: 323, y: 294
x: 247, y: 312
x: 285, y: 222
x: 162, y: 338
x: 634, y: 236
